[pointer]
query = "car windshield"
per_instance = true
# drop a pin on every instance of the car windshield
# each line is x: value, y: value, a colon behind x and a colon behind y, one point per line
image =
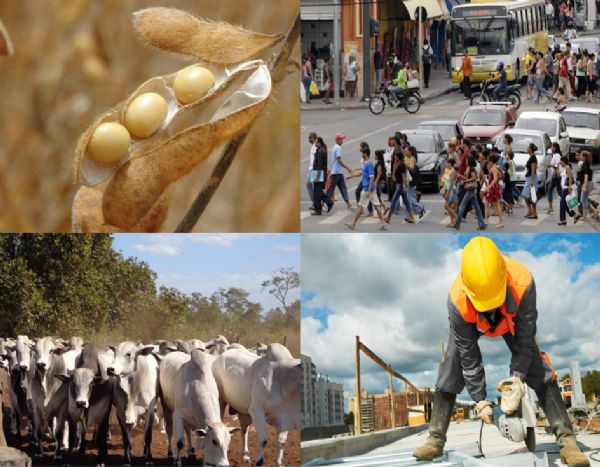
x: 540, y: 124
x: 521, y: 142
x: 423, y: 142
x: 486, y: 36
x: 446, y: 131
x: 582, y: 120
x: 484, y: 117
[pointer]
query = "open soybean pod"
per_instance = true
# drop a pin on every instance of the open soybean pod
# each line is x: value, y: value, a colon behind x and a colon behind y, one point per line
x: 129, y: 191
x: 6, y: 47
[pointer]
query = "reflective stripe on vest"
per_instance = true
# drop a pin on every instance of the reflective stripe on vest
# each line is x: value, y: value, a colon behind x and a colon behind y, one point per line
x: 518, y: 282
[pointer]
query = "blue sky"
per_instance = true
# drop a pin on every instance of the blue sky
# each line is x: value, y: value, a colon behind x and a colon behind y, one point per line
x: 205, y: 262
x: 391, y: 290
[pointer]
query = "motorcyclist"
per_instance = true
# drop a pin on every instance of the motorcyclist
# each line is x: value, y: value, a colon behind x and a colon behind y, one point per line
x: 400, y: 84
x: 501, y: 78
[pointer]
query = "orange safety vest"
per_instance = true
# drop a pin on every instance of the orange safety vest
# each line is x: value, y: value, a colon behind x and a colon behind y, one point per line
x: 518, y: 281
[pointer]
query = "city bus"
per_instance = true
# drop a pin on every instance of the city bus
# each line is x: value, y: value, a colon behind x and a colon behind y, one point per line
x: 494, y: 31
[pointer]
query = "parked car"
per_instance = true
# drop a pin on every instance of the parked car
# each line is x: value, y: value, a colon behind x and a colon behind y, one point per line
x: 551, y: 123
x: 521, y: 140
x: 483, y: 123
x: 431, y: 156
x: 448, y: 129
x: 583, y: 127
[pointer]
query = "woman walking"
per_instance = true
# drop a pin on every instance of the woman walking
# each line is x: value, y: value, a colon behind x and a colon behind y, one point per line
x: 400, y: 175
x: 566, y: 186
x: 351, y: 77
x: 492, y: 196
x: 587, y: 184
x: 470, y: 197
x: 308, y: 75
x: 415, y: 175
x: 449, y: 192
x: 553, y: 180
x: 580, y: 74
x: 531, y: 180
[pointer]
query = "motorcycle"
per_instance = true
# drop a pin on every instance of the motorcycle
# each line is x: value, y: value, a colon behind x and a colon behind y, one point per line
x: 511, y: 95
x: 408, y: 98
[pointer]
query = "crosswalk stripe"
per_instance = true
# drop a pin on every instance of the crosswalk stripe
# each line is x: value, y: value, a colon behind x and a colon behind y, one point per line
x: 535, y: 222
x: 304, y: 215
x: 336, y: 217
x: 371, y: 220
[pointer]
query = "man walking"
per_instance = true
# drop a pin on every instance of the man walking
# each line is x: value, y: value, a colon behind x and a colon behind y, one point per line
x: 337, y: 174
x: 378, y: 65
x: 495, y: 295
x: 319, y: 172
x: 427, y: 57
x: 368, y: 194
x: 467, y: 70
x: 312, y: 139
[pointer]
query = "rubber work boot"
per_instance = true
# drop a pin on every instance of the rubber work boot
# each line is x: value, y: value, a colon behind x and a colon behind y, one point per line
x: 561, y: 426
x: 441, y: 412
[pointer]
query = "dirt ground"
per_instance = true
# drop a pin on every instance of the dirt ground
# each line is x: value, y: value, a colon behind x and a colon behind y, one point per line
x: 159, y: 449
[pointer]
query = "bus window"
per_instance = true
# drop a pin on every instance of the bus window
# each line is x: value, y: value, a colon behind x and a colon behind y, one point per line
x: 521, y: 23
x: 527, y: 22
x: 480, y: 36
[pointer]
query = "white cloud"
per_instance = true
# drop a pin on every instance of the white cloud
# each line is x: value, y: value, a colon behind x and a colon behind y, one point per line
x: 392, y: 292
x: 158, y: 249
x: 287, y: 248
x: 215, y: 239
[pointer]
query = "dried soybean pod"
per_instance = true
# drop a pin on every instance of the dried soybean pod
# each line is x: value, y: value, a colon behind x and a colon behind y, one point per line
x: 177, y: 31
x: 6, y: 47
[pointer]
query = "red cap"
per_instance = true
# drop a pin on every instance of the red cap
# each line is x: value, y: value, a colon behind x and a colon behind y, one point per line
x: 340, y: 136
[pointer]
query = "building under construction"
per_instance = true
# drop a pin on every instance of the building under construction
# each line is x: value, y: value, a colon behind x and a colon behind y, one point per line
x: 411, y: 408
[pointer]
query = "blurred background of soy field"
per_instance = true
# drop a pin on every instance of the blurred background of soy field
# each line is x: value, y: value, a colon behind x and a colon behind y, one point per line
x: 75, y: 59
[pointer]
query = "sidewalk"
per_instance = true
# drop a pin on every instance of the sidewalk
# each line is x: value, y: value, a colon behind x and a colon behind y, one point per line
x: 439, y: 84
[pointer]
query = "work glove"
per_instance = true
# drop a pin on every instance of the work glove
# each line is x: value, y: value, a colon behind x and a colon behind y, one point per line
x: 484, y: 411
x: 512, y: 391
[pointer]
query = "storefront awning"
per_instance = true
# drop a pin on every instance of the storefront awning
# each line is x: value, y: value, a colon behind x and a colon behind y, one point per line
x: 316, y: 12
x: 436, y: 9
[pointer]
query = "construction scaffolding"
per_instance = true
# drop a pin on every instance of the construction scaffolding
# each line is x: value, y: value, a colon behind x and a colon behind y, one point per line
x: 371, y: 411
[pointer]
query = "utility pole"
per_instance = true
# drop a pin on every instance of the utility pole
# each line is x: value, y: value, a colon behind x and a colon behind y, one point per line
x: 420, y: 51
x: 366, y: 30
x: 358, y: 405
x: 336, y: 53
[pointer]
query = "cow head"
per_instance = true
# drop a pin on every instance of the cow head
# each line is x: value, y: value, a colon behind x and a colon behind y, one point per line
x: 218, y: 345
x: 214, y: 441
x: 124, y: 361
x: 43, y: 349
x: 82, y: 381
x: 24, y: 346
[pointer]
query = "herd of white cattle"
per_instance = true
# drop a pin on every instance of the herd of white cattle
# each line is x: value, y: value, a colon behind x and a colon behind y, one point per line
x: 68, y: 387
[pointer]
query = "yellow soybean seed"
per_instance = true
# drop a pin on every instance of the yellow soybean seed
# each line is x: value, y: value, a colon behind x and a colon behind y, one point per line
x: 192, y: 83
x: 146, y: 114
x: 109, y: 143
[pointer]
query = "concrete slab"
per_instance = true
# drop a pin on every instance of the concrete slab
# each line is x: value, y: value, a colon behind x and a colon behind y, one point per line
x: 462, y: 450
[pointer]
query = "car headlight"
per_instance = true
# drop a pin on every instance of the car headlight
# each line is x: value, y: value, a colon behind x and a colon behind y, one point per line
x: 592, y: 142
x: 428, y: 167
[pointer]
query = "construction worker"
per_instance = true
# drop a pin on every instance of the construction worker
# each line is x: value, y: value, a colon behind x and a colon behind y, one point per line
x: 495, y: 295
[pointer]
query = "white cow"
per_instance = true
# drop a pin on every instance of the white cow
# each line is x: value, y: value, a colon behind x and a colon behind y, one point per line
x: 263, y: 390
x: 137, y: 368
x: 217, y: 345
x: 190, y: 401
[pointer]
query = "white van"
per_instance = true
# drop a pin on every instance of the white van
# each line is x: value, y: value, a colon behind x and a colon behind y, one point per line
x: 583, y: 126
x: 551, y: 123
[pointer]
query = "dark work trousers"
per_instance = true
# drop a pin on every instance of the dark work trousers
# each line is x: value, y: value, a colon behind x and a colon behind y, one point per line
x: 320, y: 197
x: 337, y: 180
x: 467, y: 86
x: 426, y: 73
x: 391, y: 188
x: 450, y: 373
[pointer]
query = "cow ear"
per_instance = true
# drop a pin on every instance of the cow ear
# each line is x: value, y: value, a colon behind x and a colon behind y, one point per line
x: 146, y: 350
x: 234, y: 430
x: 64, y: 378
x: 112, y: 347
x: 209, y: 346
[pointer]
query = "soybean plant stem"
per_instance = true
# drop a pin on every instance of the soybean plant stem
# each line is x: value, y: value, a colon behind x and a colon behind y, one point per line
x: 278, y: 71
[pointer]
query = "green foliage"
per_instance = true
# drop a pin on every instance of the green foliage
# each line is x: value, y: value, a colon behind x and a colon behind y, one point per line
x: 564, y: 377
x: 591, y: 384
x: 349, y: 419
x: 281, y: 284
x: 63, y: 285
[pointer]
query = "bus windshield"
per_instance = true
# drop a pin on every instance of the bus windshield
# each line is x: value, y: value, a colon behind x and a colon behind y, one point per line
x: 481, y: 36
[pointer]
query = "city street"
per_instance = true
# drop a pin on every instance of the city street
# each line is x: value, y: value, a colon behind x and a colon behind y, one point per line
x: 360, y: 125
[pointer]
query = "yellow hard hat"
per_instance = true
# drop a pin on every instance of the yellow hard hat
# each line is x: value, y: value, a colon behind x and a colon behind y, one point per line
x: 483, y: 274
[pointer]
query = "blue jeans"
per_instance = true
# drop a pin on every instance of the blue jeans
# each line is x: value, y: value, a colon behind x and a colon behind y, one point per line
x: 396, y: 198
x: 469, y: 198
x: 585, y: 195
x: 415, y: 207
x: 310, y: 188
x: 339, y: 181
x: 527, y: 188
x: 564, y: 209
x: 540, y: 89
x: 551, y: 186
x: 497, y: 91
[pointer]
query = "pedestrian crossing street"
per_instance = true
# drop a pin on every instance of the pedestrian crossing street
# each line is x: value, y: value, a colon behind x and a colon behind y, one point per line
x: 435, y: 220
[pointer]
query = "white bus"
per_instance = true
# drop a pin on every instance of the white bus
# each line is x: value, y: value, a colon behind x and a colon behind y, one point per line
x: 494, y: 31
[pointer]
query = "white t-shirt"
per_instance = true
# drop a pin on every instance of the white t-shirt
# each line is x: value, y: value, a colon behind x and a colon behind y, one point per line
x: 351, y: 70
x: 387, y: 159
x: 562, y: 171
x: 549, y: 9
x: 313, y: 151
x: 553, y: 164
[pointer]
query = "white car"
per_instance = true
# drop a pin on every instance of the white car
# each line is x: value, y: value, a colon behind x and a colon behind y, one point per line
x: 583, y: 126
x: 521, y: 140
x: 551, y: 123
